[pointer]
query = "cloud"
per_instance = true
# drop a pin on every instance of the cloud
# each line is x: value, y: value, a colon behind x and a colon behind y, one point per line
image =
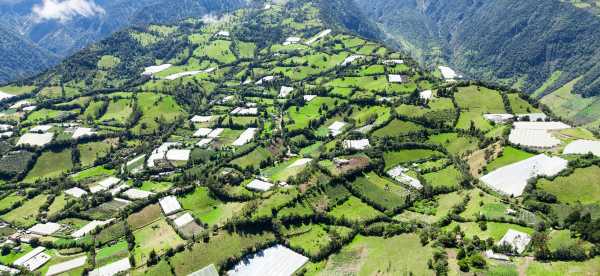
x: 64, y: 10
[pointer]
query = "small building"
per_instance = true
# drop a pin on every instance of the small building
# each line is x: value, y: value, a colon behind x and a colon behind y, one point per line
x: 45, y: 229
x: 169, y: 205
x: 76, y: 192
x: 209, y: 270
x: 259, y: 185
x: 397, y: 78
x: 518, y: 240
x: 361, y: 144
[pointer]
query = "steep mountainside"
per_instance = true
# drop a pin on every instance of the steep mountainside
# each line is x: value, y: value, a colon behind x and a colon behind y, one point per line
x: 62, y: 31
x: 522, y: 43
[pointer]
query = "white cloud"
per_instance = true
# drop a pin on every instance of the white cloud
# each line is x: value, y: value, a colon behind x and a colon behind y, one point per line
x: 64, y: 10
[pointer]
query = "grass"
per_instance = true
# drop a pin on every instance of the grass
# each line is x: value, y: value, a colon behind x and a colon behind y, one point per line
x: 381, y: 191
x: 207, y: 208
x: 155, y: 186
x: 282, y: 172
x: 573, y: 106
x: 216, y: 251
x: 8, y: 201
x: 25, y: 216
x: 372, y: 256
x: 117, y: 112
x: 108, y: 62
x: 589, y: 267
x: 95, y: 172
x: 549, y: 82
x: 17, y: 90
x: 482, y: 203
x: 156, y: 107
x: 495, y: 230
x: 146, y: 240
x: 299, y: 118
x: 563, y: 239
x: 144, y: 217
x: 520, y: 106
x: 90, y: 152
x: 312, y: 238
x: 44, y: 115
x: 397, y: 128
x: 476, y: 98
x: 394, y: 158
x: 355, y: 210
x: 57, y: 205
x: 372, y: 114
x: 447, y: 177
x: 50, y: 165
x: 509, y: 156
x: 582, y: 186
x: 218, y: 50
x: 112, y: 253
x: 455, y: 143
x: 253, y: 159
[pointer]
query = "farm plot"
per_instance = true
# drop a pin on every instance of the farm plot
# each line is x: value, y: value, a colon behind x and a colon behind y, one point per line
x: 208, y: 209
x: 218, y: 50
x: 449, y: 177
x: 495, y: 230
x: 512, y: 179
x: 106, y: 210
x: 455, y: 143
x: 398, y: 128
x: 50, y: 165
x: 376, y: 115
x: 155, y: 107
x: 432, y: 211
x: 371, y: 255
x: 90, y: 152
x: 509, y: 156
x: 253, y: 159
x: 14, y: 163
x: 25, y: 215
x: 582, y: 185
x: 284, y: 170
x: 269, y: 262
x: 218, y: 249
x: 118, y: 112
x: 144, y: 217
x: 299, y: 118
x: 381, y: 191
x: 394, y: 158
x: 112, y: 253
x: 354, y: 210
x: 520, y: 106
x: 146, y: 239
x: 474, y: 101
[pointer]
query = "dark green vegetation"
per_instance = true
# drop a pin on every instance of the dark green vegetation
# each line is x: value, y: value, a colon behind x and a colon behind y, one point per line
x: 342, y: 207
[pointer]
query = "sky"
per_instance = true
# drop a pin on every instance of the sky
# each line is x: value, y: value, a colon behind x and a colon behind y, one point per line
x: 61, y: 10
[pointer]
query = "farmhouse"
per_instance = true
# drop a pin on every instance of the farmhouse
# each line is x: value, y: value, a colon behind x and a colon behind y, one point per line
x: 583, y: 147
x: 34, y: 259
x: 498, y: 118
x: 223, y: 33
x: 4, y: 96
x: 337, y: 128
x: 169, y: 205
x: 308, y: 98
x: 215, y: 133
x: 202, y: 132
x: 112, y: 268
x: 350, y: 59
x: 426, y: 95
x: 183, y: 220
x: 44, y: 229
x: 259, y: 185
x: 393, y: 61
x: 41, y: 128
x: 285, y: 91
x: 89, y: 228
x: 134, y: 193
x: 76, y: 192
x: 276, y: 260
x: 448, y: 73
x: 518, y: 240
x: 201, y: 119
x: 160, y: 152
x: 82, y: 132
x: 245, y: 137
x: 204, y: 142
x: 151, y: 70
x: 361, y: 144
x: 397, y: 78
x: 244, y: 111
x: 399, y: 174
x: 536, y: 134
x: 512, y: 179
x: 300, y: 162
x: 209, y: 270
x: 36, y: 139
x: 182, y: 155
x: 66, y: 266
x: 318, y: 36
x: 265, y: 80
x: 292, y: 40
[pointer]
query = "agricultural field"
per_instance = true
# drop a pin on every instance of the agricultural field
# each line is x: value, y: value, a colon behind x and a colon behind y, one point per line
x: 214, y: 141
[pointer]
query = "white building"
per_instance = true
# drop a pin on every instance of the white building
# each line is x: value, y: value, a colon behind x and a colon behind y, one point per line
x: 583, y: 147
x: 259, y: 185
x: 399, y: 174
x: 518, y: 240
x: 337, y: 128
x: 361, y: 144
x: 169, y: 205
x: 276, y: 260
